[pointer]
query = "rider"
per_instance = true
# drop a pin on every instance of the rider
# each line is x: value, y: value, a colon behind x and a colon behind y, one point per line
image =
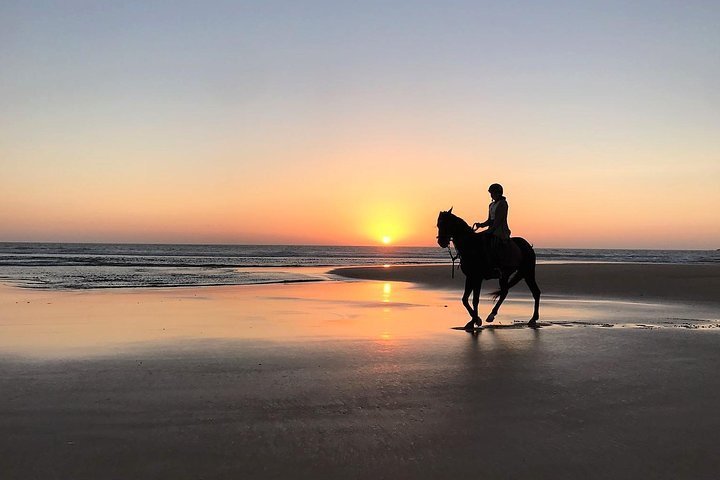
x: 498, y: 230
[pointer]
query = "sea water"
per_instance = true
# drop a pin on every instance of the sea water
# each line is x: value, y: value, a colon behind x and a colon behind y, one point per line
x: 84, y: 266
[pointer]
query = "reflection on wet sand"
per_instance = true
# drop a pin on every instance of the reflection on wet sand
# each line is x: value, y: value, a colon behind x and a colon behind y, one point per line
x: 61, y: 323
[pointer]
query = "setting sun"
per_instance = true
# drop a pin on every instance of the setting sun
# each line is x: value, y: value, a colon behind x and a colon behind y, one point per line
x: 386, y: 240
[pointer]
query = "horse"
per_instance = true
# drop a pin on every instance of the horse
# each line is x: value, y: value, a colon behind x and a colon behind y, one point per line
x: 473, y: 249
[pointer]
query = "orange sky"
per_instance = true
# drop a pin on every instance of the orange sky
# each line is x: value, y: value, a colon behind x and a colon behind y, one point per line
x: 397, y: 193
x: 343, y: 125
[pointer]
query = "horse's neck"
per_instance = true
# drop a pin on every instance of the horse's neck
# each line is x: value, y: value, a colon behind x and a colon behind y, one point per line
x: 461, y: 242
x: 461, y: 227
x: 462, y: 239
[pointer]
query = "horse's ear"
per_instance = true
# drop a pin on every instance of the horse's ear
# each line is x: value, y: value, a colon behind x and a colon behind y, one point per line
x: 450, y: 211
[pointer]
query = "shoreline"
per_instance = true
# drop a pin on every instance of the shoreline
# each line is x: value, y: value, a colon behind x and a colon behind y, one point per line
x: 667, y: 282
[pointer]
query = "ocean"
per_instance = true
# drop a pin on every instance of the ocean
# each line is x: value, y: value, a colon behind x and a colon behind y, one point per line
x: 87, y: 266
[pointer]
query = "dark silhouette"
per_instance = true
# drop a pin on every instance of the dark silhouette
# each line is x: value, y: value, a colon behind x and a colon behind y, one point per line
x: 472, y: 249
x: 498, y: 229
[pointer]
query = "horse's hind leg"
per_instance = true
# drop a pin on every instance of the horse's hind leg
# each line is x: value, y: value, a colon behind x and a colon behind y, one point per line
x: 503, y: 293
x: 532, y: 284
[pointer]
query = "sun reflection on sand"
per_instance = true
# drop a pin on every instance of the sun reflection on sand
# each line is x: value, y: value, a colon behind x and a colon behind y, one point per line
x: 69, y: 323
x: 387, y: 290
x: 50, y: 323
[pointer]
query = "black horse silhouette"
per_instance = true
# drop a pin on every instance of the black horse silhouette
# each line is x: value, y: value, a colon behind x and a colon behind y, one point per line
x: 473, y: 250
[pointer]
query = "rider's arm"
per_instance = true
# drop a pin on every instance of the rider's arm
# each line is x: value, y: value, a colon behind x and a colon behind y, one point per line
x: 486, y: 223
x: 483, y: 224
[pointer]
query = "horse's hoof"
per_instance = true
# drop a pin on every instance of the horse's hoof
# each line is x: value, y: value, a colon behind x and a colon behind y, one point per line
x: 490, y: 318
x: 473, y: 324
x: 532, y: 323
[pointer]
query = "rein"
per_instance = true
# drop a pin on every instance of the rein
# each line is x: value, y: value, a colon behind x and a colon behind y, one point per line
x: 453, y: 258
x: 450, y: 239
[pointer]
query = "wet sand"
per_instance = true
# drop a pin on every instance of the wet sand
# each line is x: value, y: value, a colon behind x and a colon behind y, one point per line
x: 353, y: 380
x: 636, y: 282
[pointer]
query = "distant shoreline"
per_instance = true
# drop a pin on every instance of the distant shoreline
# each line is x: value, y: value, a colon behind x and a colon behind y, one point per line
x: 89, y: 266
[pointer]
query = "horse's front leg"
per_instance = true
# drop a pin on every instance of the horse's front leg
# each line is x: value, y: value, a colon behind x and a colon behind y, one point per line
x: 476, y: 299
x: 472, y: 311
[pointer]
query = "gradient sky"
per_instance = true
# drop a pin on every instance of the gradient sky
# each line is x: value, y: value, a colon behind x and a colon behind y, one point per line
x: 333, y: 122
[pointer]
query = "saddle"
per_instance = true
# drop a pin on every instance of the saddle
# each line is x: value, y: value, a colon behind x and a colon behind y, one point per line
x: 506, y: 254
x: 499, y: 254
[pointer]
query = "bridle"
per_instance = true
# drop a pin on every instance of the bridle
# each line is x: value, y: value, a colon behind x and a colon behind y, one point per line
x: 452, y: 257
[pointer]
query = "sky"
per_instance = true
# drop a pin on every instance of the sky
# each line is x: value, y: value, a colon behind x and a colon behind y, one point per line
x: 342, y: 122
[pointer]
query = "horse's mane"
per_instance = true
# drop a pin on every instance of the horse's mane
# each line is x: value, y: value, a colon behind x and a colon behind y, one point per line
x: 460, y: 222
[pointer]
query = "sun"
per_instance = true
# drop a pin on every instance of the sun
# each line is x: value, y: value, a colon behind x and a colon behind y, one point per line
x: 386, y: 240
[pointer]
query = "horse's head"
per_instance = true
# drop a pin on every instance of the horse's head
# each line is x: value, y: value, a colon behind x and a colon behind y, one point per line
x: 450, y: 227
x: 445, y: 223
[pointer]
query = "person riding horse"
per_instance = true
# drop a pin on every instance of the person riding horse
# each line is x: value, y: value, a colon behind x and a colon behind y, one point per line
x: 498, y: 230
x: 471, y: 249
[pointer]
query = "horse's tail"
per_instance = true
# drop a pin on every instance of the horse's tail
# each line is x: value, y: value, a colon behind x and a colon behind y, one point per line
x: 517, y: 276
x: 526, y: 268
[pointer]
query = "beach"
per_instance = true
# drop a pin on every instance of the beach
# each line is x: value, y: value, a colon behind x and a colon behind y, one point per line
x: 231, y: 235
x: 365, y: 377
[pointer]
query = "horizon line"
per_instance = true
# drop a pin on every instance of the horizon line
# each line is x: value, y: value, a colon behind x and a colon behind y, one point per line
x: 331, y: 245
